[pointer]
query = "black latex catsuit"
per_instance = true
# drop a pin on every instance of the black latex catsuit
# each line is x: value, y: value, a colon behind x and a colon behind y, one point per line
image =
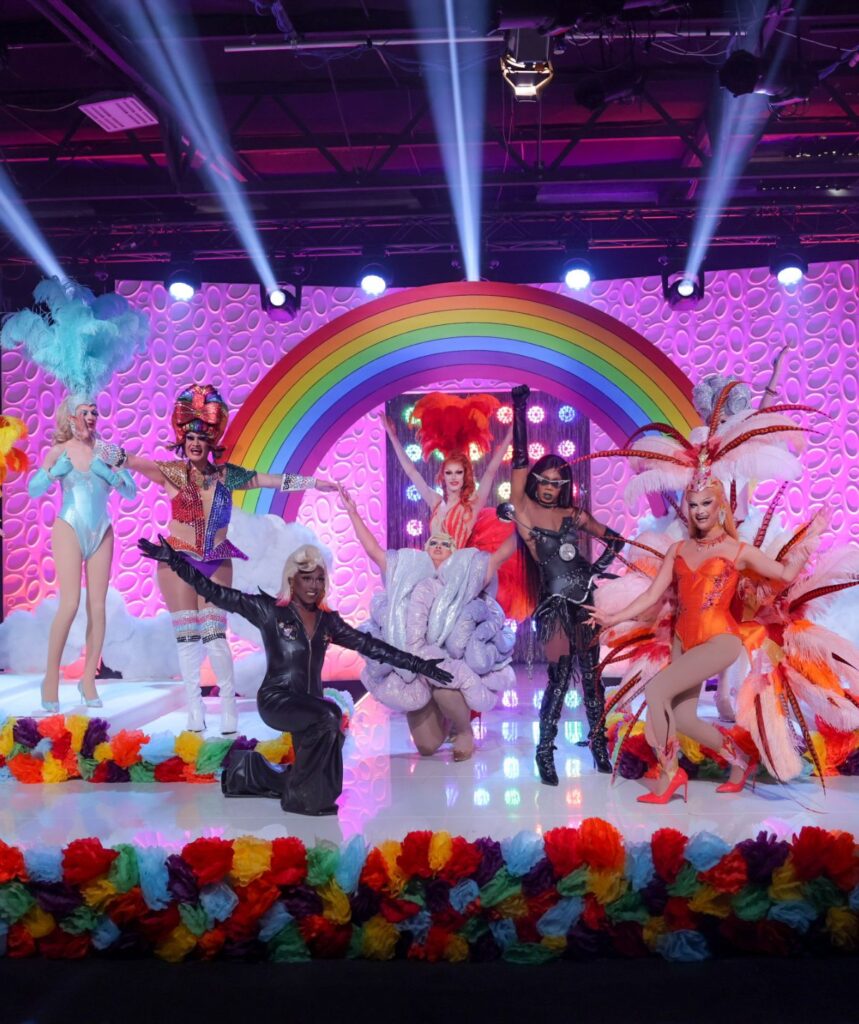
x: 290, y: 697
x: 566, y: 584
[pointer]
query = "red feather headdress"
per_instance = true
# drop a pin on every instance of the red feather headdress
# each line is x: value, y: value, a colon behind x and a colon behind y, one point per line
x: 453, y: 424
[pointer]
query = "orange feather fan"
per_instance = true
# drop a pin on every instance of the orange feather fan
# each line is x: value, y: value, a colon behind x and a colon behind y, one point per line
x: 452, y: 424
x: 12, y: 430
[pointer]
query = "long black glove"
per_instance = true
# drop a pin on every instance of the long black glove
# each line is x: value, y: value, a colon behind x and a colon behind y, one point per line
x: 161, y: 552
x: 429, y: 667
x: 520, y: 426
x: 613, y: 543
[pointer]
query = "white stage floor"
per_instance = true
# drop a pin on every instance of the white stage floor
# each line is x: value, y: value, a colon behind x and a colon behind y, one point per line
x: 389, y: 789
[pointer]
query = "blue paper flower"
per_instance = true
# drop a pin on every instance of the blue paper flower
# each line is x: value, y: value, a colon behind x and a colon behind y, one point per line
x: 5, y: 774
x: 562, y: 917
x: 521, y: 852
x: 797, y: 914
x: 419, y: 926
x: 272, y: 921
x: 105, y: 933
x: 44, y: 864
x: 853, y: 899
x: 218, y: 900
x: 683, y: 946
x: 639, y: 865
x: 160, y: 747
x: 352, y: 857
x: 463, y: 893
x: 44, y: 746
x: 704, y: 850
x: 4, y: 931
x: 152, y: 865
x: 504, y: 932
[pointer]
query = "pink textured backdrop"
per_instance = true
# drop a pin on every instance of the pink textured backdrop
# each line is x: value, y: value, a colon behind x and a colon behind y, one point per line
x: 224, y: 336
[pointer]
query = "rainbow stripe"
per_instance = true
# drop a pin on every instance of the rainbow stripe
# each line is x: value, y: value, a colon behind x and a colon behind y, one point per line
x: 419, y: 336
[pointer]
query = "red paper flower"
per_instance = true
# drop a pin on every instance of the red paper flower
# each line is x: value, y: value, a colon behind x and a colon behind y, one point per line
x: 209, y: 859
x: 288, y: 861
x: 464, y: 860
x: 86, y: 859
x: 11, y: 863
x: 594, y: 913
x: 51, y: 727
x: 375, y: 871
x: 26, y: 768
x: 126, y: 746
x: 257, y: 896
x: 59, y: 945
x: 668, y: 846
x: 538, y: 905
x: 628, y: 939
x: 101, y: 772
x: 171, y: 770
x: 324, y: 938
x: 730, y: 875
x: 211, y: 942
x: 127, y: 907
x: 414, y: 856
x: 678, y: 916
x: 394, y: 910
x: 19, y: 942
x: 562, y: 850
x: 156, y: 925
x: 526, y: 930
x: 436, y: 943
x: 601, y: 845
x: 817, y: 851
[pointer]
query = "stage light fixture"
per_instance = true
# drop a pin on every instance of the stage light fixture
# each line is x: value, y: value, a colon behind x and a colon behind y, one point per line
x: 536, y: 414
x: 374, y: 280
x: 526, y: 66
x: 577, y: 275
x: 504, y: 414
x: 503, y: 491
x: 566, y: 448
x: 536, y: 450
x: 474, y: 452
x: 414, y: 527
x: 282, y: 302
x: 788, y: 264
x: 566, y: 414
x: 412, y: 493
x: 683, y: 290
x: 414, y: 452
x: 183, y: 282
x: 620, y: 86
x: 508, y: 455
x: 785, y: 84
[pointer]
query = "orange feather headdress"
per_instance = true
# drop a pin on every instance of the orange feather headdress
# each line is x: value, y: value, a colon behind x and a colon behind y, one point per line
x: 453, y: 424
x: 12, y: 458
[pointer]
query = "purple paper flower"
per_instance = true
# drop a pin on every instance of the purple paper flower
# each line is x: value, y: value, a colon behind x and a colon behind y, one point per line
x: 540, y: 878
x: 655, y: 895
x: 249, y: 950
x: 850, y: 766
x: 116, y: 774
x: 96, y: 732
x: 181, y: 880
x: 485, y: 949
x: 301, y: 900
x: 581, y: 941
x: 492, y: 861
x: 437, y: 896
x: 239, y: 743
x: 631, y: 766
x: 56, y: 898
x: 365, y: 904
x: 26, y: 732
x: 763, y: 855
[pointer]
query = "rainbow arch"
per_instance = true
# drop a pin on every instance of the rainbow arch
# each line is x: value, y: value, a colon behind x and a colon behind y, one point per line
x: 418, y: 336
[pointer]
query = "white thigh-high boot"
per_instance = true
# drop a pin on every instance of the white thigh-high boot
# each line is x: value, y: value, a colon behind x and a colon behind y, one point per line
x: 186, y: 628
x: 213, y: 625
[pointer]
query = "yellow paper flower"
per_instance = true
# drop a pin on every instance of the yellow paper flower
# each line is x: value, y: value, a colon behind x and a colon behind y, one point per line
x: 556, y: 943
x: 38, y: 922
x: 691, y: 749
x: 607, y: 886
x: 103, y: 752
x: 188, y: 746
x: 707, y: 901
x: 335, y: 903
x: 53, y: 770
x: 391, y: 851
x: 7, y: 740
x: 178, y: 945
x: 785, y: 885
x: 379, y: 939
x: 843, y: 927
x: 513, y: 906
x: 251, y: 857
x: 277, y: 749
x: 456, y: 950
x: 440, y: 849
x: 653, y: 928
x: 77, y: 726
x: 98, y: 893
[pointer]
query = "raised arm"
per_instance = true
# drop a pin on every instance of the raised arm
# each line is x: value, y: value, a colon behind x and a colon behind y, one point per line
x: 347, y: 636
x: 430, y: 496
x: 362, y: 532
x: 636, y: 608
x: 287, y: 482
x: 771, y: 390
x: 519, y: 476
x: 253, y: 607
x: 787, y: 571
x: 492, y: 467
x: 145, y: 467
x: 497, y: 558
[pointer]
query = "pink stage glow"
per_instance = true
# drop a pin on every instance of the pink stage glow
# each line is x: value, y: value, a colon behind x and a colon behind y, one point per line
x: 224, y: 337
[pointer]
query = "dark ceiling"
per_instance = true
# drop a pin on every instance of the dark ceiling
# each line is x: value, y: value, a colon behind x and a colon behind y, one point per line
x: 335, y: 144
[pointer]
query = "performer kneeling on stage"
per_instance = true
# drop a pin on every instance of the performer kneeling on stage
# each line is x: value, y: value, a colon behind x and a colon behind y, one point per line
x: 296, y: 629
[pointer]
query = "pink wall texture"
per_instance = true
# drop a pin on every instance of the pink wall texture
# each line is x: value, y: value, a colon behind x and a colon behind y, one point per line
x: 224, y: 337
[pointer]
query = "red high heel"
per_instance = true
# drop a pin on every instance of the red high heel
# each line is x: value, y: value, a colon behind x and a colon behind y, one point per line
x: 678, y: 779
x: 734, y: 756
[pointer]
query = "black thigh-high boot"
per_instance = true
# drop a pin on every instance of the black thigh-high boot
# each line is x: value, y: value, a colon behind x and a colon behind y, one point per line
x: 550, y: 714
x: 593, y: 694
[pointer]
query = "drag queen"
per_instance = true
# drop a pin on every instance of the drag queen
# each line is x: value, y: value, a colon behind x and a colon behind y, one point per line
x: 201, y: 501
x: 82, y: 340
x: 296, y: 629
x: 435, y: 604
x: 550, y: 526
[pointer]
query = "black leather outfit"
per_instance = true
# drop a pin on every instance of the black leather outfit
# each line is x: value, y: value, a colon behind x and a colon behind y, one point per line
x: 290, y: 697
x: 567, y: 580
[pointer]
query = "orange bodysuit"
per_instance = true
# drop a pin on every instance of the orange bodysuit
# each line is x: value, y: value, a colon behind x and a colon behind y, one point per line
x: 704, y: 597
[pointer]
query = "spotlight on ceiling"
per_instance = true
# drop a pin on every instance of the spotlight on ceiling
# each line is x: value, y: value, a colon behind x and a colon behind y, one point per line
x: 374, y: 280
x: 683, y: 290
x: 578, y: 274
x: 598, y: 91
x: 788, y: 264
x: 526, y: 66
x: 785, y: 84
x: 282, y: 302
x: 183, y: 281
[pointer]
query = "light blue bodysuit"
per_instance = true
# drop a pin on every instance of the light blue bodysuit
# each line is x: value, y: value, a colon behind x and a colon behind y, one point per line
x: 85, y: 496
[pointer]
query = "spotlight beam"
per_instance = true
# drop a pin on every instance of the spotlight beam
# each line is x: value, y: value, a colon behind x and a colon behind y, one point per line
x: 23, y: 229
x: 178, y: 69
